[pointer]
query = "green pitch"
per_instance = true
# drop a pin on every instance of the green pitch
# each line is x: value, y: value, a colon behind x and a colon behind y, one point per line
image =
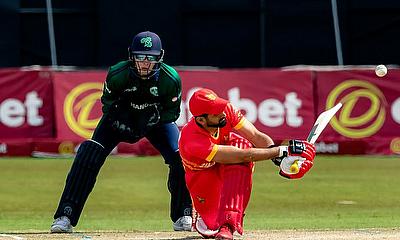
x: 131, y: 194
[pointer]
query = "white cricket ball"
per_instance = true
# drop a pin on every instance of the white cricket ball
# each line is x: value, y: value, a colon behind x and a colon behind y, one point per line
x: 381, y: 70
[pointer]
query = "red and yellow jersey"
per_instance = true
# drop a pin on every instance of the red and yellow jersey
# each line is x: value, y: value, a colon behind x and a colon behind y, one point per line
x: 198, y: 147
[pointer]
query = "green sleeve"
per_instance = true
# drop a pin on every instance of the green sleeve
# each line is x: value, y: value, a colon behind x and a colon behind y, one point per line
x: 108, y: 96
x: 171, y: 94
x: 114, y: 84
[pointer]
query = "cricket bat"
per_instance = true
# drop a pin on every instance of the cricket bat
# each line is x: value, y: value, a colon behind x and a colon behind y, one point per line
x: 319, y: 126
x: 321, y: 122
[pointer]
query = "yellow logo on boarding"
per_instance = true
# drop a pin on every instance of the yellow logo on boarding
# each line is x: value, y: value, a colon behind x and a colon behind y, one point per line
x: 78, y: 105
x: 357, y: 120
x: 395, y: 145
x: 66, y: 147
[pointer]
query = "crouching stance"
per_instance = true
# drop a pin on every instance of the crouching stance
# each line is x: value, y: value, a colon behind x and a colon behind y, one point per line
x: 219, y: 163
x: 141, y: 98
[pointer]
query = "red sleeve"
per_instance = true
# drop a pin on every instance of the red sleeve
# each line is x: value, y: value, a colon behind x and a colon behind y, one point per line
x: 234, y: 116
x: 200, y: 147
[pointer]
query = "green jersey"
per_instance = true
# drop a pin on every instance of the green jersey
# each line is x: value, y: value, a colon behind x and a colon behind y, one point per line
x: 164, y: 90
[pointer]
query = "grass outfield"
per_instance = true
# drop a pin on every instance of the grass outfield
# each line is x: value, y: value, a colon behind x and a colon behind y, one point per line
x: 130, y: 195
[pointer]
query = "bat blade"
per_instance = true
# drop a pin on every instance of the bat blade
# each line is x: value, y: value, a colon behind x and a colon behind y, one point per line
x: 321, y: 122
x: 319, y: 125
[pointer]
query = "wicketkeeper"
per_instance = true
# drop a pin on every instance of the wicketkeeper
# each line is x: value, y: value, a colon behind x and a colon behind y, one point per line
x: 219, y: 163
x: 141, y: 98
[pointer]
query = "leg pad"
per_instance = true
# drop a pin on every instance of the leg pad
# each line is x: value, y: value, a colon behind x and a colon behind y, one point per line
x: 81, y: 180
x: 236, y: 192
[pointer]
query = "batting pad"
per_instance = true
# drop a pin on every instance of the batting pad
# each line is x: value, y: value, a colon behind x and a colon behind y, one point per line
x: 235, y: 196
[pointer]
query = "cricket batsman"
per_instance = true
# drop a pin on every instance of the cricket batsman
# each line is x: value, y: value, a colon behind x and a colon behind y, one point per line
x: 141, y: 98
x: 218, y: 147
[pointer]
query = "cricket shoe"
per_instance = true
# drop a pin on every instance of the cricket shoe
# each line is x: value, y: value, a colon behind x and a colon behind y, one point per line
x: 225, y: 233
x: 202, y: 228
x: 184, y: 223
x: 61, y: 225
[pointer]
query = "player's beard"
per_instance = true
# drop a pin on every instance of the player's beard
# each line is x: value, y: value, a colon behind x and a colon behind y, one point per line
x: 220, y: 124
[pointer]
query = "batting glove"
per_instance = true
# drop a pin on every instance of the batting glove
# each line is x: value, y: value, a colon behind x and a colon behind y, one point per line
x: 299, y: 148
x: 305, y: 167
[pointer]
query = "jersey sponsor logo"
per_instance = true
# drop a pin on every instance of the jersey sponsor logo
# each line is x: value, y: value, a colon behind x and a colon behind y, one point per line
x: 133, y: 89
x: 154, y: 91
x: 142, y: 106
x: 78, y: 108
x: 147, y: 42
x: 354, y: 121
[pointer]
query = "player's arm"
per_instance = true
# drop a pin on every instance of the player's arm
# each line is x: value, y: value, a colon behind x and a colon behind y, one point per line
x: 226, y: 154
x: 172, y: 95
x: 110, y: 92
x: 256, y: 137
x: 229, y: 154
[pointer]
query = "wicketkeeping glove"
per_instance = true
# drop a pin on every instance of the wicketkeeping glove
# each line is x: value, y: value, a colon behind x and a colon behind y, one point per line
x: 132, y: 124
